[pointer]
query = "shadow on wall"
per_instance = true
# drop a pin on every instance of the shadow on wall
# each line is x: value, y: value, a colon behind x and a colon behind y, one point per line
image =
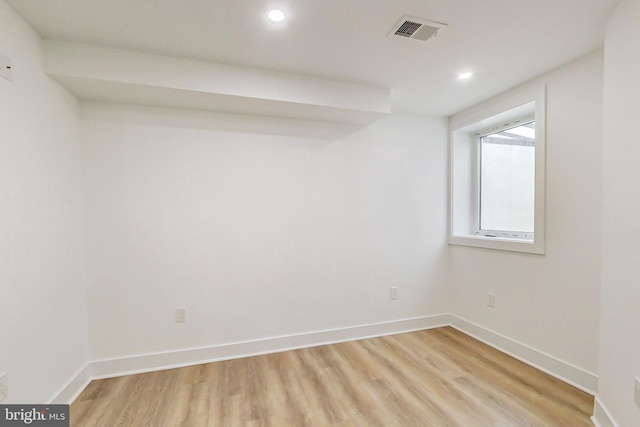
x: 217, y: 121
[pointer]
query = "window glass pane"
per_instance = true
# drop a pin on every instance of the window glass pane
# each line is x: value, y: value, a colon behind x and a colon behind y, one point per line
x: 507, y: 179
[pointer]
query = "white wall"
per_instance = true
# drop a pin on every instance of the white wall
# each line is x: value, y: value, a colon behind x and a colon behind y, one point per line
x: 550, y: 302
x: 43, y: 318
x: 620, y: 326
x: 257, y: 231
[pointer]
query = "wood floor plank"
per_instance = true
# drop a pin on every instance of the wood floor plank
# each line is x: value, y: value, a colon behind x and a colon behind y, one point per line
x: 435, y: 378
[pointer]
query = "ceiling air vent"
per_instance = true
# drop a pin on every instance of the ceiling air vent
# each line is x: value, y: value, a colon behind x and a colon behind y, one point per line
x: 415, y: 28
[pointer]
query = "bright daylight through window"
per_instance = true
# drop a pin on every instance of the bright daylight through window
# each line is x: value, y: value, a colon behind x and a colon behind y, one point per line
x: 507, y: 182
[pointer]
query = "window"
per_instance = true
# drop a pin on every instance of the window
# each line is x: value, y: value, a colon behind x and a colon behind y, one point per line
x: 506, y: 180
x: 497, y: 177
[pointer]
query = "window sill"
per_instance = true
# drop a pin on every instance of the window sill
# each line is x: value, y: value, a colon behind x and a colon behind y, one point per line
x: 499, y: 243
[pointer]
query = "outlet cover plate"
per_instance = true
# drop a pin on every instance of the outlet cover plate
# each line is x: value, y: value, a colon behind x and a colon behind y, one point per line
x: 636, y: 390
x: 181, y: 315
x: 4, y: 386
x: 394, y: 293
x: 491, y: 299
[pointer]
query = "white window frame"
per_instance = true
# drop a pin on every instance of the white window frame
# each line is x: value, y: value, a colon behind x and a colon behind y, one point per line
x: 464, y: 131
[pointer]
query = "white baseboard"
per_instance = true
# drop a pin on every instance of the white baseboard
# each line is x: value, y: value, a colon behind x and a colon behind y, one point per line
x: 578, y: 377
x: 109, y: 368
x: 79, y: 382
x: 175, y: 359
x: 601, y: 416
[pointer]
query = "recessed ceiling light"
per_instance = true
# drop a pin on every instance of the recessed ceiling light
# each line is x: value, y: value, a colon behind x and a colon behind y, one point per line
x: 465, y: 76
x: 276, y: 15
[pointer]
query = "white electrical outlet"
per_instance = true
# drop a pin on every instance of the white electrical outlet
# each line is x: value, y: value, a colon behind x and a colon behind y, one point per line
x: 394, y: 292
x: 181, y: 315
x: 636, y: 390
x: 5, y: 67
x: 491, y: 299
x: 4, y: 386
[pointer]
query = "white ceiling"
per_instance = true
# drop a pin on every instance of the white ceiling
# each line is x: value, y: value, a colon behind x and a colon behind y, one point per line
x: 505, y: 42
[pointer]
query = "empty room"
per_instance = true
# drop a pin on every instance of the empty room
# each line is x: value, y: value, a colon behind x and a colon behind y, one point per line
x: 319, y: 213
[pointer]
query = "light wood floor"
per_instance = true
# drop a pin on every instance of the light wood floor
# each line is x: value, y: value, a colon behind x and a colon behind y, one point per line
x: 439, y: 377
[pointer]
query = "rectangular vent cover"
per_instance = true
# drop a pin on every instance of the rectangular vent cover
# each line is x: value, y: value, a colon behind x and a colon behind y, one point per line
x: 418, y: 29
